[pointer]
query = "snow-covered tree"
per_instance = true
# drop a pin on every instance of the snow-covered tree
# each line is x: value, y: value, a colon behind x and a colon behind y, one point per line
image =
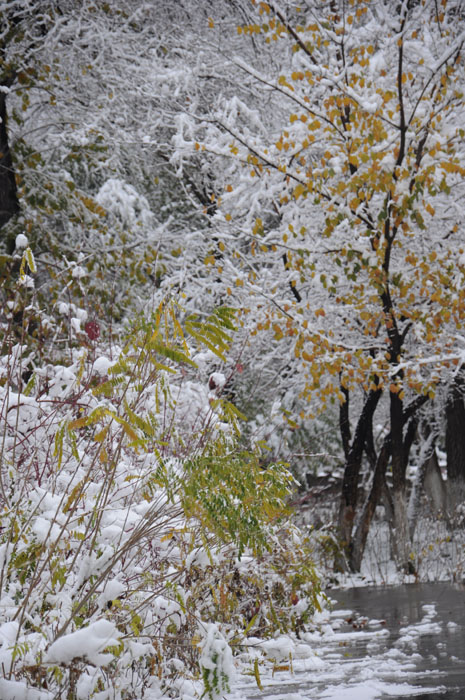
x: 339, y: 194
x: 90, y: 90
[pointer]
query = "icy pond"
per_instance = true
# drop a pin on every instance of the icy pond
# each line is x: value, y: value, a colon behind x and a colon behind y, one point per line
x: 381, y: 642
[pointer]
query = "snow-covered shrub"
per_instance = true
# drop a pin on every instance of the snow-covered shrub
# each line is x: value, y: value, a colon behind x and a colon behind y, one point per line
x: 124, y: 498
x: 216, y: 663
x: 262, y: 594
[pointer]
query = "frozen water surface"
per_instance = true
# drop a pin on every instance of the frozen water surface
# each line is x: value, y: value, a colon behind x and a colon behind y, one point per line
x: 390, y: 642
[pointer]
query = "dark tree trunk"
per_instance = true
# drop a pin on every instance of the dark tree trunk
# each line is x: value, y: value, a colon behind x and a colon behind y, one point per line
x: 344, y: 423
x: 400, y: 533
x: 455, y: 443
x: 9, y: 205
x: 352, y: 468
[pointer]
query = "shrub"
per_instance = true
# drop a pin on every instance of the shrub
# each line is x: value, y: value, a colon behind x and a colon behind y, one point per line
x: 132, y: 521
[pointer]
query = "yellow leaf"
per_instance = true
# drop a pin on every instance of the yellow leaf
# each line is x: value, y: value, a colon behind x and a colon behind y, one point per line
x: 430, y: 209
x: 257, y: 675
x: 100, y: 437
x: 129, y: 431
x: 280, y: 667
x: 30, y: 260
x: 299, y: 190
x: 78, y: 423
x: 73, y: 497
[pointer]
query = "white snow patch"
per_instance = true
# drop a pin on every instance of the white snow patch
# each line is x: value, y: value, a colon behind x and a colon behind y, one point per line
x: 17, y: 690
x: 102, y: 365
x: 88, y: 642
x: 21, y: 241
x: 112, y: 590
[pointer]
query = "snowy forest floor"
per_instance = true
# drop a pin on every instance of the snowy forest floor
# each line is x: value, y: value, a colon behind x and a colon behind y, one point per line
x: 438, y: 547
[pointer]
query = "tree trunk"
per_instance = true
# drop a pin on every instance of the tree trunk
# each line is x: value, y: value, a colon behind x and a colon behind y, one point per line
x: 429, y: 479
x: 435, y: 487
x: 455, y: 443
x: 400, y: 531
x: 350, y: 483
x: 401, y: 547
x: 363, y: 526
x: 9, y: 205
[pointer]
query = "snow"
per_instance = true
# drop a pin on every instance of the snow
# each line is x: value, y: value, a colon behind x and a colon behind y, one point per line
x: 26, y: 281
x: 86, y: 642
x: 280, y: 648
x: 21, y: 241
x: 124, y: 202
x: 18, y: 690
x: 345, y: 665
x: 63, y: 308
x: 43, y: 529
x: 216, y: 660
x: 102, y: 365
x: 79, y: 272
x: 75, y: 324
x: 112, y: 590
x: 217, y: 381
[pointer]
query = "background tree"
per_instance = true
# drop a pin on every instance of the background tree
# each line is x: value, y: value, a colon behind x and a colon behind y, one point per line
x: 455, y: 442
x: 354, y: 173
x: 88, y: 138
